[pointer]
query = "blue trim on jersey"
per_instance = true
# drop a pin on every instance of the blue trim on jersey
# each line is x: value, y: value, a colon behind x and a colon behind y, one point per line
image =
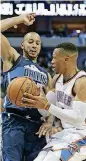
x: 67, y: 153
x: 18, y: 61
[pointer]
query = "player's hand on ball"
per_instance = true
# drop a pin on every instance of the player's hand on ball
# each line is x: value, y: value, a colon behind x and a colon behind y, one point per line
x: 28, y: 19
x: 35, y: 101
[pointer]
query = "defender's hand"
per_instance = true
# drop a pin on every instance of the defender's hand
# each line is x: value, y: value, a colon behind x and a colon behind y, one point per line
x: 53, y: 130
x: 47, y: 129
x: 35, y: 101
x: 43, y: 130
x: 28, y: 19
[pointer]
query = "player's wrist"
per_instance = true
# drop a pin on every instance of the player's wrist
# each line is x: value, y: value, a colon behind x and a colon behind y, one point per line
x: 20, y: 19
x: 47, y: 106
x: 50, y: 119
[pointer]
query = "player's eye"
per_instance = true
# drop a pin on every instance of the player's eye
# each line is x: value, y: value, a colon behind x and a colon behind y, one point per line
x: 30, y: 42
x: 38, y: 43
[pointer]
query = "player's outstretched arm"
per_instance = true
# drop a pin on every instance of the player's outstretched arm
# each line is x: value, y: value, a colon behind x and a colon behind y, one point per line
x: 27, y: 19
x: 1, y: 105
x: 8, y: 53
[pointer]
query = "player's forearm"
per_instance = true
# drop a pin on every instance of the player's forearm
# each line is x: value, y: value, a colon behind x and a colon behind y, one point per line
x: 10, y: 22
x: 1, y: 105
x: 51, y: 118
x: 71, y: 116
x: 49, y: 87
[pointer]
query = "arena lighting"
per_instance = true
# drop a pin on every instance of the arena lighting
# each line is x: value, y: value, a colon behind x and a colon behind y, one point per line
x: 78, y: 31
x: 58, y: 9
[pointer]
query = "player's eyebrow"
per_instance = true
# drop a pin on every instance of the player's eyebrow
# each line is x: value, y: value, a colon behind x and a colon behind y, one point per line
x: 31, y: 39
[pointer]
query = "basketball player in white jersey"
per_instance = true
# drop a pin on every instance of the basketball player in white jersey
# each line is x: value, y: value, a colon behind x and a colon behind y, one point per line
x: 0, y: 136
x: 68, y: 103
x: 0, y: 127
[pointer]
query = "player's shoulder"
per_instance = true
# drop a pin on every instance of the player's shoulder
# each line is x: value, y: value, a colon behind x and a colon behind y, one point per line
x: 80, y: 73
x: 81, y: 80
x: 80, y: 77
x: 80, y: 83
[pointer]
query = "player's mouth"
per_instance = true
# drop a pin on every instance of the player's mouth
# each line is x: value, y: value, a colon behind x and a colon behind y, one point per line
x: 33, y: 51
x: 53, y: 66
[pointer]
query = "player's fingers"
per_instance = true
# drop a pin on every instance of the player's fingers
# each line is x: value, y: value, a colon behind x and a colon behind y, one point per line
x: 60, y: 129
x: 54, y: 130
x: 28, y: 101
x: 32, y: 14
x: 28, y: 105
x: 37, y: 133
x: 46, y: 130
x: 31, y: 17
x: 40, y: 129
x: 29, y: 96
x: 41, y: 132
x: 48, y: 133
x: 31, y: 22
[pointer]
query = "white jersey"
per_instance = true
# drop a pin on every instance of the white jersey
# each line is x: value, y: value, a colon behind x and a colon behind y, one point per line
x: 0, y: 135
x: 65, y: 96
x: 70, y: 143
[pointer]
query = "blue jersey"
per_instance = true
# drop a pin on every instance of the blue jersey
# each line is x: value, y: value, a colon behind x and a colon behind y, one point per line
x: 24, y: 67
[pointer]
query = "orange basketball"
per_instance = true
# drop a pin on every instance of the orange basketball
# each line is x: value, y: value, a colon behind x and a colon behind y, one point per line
x: 18, y: 87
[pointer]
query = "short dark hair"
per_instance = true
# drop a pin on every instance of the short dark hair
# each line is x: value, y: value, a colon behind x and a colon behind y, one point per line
x: 68, y: 47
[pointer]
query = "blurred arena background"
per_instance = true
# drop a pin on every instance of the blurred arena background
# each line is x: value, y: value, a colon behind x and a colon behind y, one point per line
x: 56, y: 22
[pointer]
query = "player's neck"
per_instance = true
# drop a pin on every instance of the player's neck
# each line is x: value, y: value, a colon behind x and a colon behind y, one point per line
x: 35, y: 60
x: 70, y: 72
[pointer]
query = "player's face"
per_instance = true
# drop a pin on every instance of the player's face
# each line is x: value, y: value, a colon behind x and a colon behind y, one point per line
x: 32, y: 46
x: 58, y: 62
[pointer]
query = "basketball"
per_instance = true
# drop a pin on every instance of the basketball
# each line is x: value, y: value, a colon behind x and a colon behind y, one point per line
x: 18, y: 87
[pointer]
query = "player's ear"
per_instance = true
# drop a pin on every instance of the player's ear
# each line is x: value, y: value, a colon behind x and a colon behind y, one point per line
x: 66, y: 58
x: 22, y: 46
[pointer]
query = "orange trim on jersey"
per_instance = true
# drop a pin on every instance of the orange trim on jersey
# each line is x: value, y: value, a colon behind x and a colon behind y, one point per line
x: 72, y: 154
x: 68, y: 148
x: 70, y: 143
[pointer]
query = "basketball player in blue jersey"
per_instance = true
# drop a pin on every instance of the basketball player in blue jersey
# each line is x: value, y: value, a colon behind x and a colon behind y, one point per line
x: 21, y: 124
x: 68, y: 104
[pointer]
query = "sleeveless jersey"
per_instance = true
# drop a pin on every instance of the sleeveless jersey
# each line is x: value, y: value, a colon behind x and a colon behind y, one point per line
x: 64, y: 93
x: 24, y: 67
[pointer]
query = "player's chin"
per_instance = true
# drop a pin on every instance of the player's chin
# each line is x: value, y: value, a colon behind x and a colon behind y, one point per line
x: 33, y: 56
x: 54, y: 69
